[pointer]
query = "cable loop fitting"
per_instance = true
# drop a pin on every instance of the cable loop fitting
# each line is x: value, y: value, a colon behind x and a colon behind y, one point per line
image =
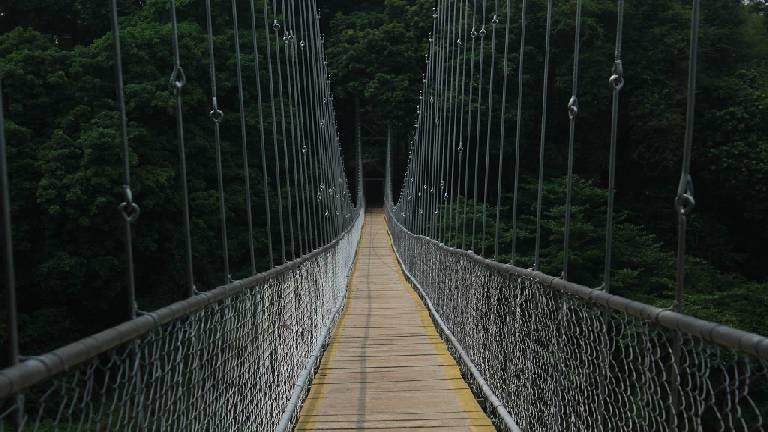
x: 129, y: 209
x: 617, y: 79
x: 178, y: 78
x: 216, y: 114
x: 685, y: 202
x: 573, y: 107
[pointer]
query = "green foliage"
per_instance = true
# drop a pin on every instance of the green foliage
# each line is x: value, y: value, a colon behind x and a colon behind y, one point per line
x: 376, y: 56
x: 643, y: 268
x: 65, y: 162
x: 66, y: 169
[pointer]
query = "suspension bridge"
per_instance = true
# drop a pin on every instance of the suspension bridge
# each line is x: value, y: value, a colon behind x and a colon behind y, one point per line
x: 393, y: 318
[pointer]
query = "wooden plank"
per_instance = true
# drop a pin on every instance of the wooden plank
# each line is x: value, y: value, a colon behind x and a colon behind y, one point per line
x: 386, y: 367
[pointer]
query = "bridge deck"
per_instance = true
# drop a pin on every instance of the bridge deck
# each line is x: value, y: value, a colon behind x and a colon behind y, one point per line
x: 386, y: 367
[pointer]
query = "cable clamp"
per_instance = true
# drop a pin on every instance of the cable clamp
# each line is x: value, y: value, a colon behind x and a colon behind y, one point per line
x: 617, y: 78
x: 129, y: 209
x: 178, y: 78
x: 216, y: 114
x: 685, y: 202
x: 573, y: 107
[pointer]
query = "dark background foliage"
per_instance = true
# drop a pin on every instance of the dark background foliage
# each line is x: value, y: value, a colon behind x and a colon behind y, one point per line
x: 62, y: 128
x: 727, y: 277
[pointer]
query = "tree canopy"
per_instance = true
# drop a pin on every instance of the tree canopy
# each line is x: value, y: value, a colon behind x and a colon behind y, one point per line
x: 62, y: 127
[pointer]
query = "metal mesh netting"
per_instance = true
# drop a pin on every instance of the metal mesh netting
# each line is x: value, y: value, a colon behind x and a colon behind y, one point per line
x: 230, y: 365
x: 559, y: 361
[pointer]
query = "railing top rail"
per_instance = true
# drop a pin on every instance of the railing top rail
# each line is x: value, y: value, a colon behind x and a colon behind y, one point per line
x: 720, y: 334
x: 37, y: 369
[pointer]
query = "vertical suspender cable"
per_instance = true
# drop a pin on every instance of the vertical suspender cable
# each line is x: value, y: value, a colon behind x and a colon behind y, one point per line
x: 457, y: 122
x: 684, y: 205
x: 446, y: 185
x: 290, y: 50
x: 473, y: 35
x: 494, y: 21
x: 311, y: 79
x: 446, y: 142
x: 321, y: 78
x: 481, y: 33
x: 246, y: 173
x: 128, y: 208
x: 519, y: 113
x: 457, y: 118
x: 432, y: 131
x: 427, y: 132
x: 265, y: 178
x: 684, y: 201
x: 287, y: 39
x: 358, y: 156
x: 278, y: 186
x: 178, y: 80
x: 306, y: 195
x: 422, y: 140
x: 307, y: 203
x: 445, y: 97
x: 501, y: 138
x: 359, y: 151
x: 543, y: 136
x: 435, y: 101
x: 217, y: 115
x: 573, y: 111
x: 617, y: 82
x: 295, y: 140
x: 290, y: 55
x: 461, y: 42
x: 10, y: 268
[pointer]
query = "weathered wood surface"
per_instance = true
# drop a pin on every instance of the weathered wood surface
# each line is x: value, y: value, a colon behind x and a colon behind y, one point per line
x: 386, y: 367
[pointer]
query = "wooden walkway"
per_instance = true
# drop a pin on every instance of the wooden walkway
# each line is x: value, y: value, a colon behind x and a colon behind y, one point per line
x: 386, y: 367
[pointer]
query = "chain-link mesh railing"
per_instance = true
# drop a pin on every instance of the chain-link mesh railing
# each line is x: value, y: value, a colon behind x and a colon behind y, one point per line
x: 230, y: 359
x: 565, y: 357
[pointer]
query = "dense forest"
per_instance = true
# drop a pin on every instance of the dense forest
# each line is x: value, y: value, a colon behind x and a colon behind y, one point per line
x: 726, y: 279
x: 62, y: 127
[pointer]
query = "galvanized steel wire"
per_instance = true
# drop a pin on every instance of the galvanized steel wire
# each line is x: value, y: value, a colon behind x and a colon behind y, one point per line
x: 240, y: 356
x: 224, y: 360
x: 15, y: 412
x: 559, y: 356
x: 129, y: 209
x: 546, y: 354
